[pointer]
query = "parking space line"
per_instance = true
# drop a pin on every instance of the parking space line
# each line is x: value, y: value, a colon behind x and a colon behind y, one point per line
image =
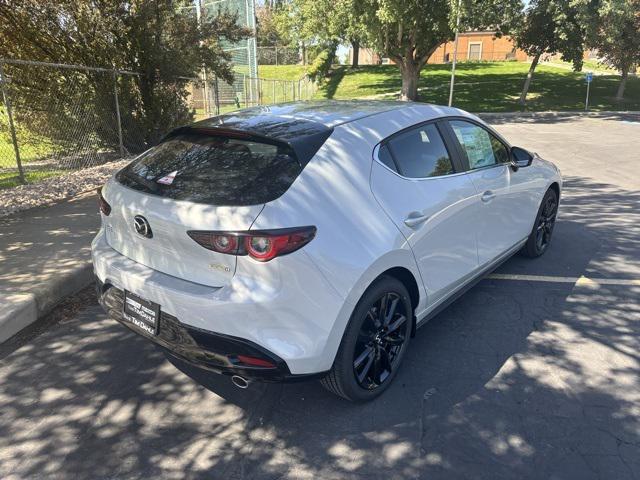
x: 582, y: 280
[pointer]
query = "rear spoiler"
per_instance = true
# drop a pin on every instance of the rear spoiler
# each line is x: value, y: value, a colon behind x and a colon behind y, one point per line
x: 303, y: 146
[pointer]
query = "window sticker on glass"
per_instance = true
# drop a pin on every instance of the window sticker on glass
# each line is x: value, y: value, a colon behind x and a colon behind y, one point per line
x: 168, y: 179
x: 476, y: 143
x: 424, y: 137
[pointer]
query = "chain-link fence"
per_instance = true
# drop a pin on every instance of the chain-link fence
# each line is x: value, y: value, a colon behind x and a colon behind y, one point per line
x: 58, y: 118
x: 215, y: 96
x: 276, y: 55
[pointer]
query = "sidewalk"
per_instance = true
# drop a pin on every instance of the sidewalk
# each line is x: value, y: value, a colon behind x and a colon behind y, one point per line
x: 44, y: 256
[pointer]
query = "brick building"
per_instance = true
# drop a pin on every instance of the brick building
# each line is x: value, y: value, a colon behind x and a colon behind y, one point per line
x: 472, y: 46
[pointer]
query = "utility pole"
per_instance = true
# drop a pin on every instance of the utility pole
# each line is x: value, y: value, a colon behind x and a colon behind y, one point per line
x: 455, y: 54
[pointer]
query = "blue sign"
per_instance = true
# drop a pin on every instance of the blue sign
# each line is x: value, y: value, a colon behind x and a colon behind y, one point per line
x: 589, y: 77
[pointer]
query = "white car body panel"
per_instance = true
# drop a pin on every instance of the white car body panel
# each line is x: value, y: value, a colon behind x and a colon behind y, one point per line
x: 170, y: 221
x: 444, y: 245
x: 297, y: 306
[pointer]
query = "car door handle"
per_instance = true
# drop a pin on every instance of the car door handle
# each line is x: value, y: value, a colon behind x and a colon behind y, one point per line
x: 414, y: 219
x: 487, y: 196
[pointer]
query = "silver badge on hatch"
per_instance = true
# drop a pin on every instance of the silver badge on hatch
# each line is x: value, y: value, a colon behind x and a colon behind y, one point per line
x: 220, y: 268
x: 142, y: 226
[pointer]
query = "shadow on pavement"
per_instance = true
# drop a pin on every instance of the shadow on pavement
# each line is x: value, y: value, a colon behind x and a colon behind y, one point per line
x: 552, y: 118
x: 514, y: 380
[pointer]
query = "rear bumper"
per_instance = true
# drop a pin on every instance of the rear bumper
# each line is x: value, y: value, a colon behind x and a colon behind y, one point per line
x: 285, y: 307
x: 208, y: 350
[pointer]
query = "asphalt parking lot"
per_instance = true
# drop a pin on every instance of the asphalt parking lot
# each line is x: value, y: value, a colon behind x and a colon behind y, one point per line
x: 534, y: 378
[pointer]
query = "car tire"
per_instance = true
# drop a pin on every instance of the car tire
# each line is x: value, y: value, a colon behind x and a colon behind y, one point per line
x: 540, y: 236
x: 374, y: 340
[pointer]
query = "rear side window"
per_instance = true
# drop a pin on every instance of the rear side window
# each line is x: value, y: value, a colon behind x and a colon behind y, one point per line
x: 213, y: 170
x: 385, y: 157
x: 420, y: 152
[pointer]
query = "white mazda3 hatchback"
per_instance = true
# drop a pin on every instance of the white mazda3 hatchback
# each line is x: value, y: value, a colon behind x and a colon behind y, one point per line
x: 311, y: 239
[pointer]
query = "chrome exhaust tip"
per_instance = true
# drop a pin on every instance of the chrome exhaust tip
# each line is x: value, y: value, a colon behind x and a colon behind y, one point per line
x: 240, y: 382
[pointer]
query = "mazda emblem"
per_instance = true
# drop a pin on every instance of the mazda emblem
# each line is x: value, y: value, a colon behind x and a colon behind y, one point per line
x: 142, y: 226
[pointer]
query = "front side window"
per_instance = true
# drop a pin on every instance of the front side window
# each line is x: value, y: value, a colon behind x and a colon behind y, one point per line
x: 480, y: 147
x: 420, y: 153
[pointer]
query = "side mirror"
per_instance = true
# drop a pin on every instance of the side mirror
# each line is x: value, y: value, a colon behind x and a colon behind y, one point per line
x: 520, y: 158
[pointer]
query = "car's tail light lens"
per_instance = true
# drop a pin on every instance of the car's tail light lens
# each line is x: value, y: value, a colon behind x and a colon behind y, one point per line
x: 105, y: 208
x: 261, y: 245
x: 225, y: 243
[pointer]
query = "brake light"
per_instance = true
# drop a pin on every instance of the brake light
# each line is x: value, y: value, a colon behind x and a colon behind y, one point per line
x: 261, y: 245
x: 105, y: 208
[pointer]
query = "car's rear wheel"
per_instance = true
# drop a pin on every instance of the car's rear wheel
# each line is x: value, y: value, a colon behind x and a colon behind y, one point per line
x: 540, y: 237
x: 374, y: 342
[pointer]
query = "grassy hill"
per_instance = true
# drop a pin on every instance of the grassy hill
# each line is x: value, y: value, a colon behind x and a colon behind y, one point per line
x: 480, y: 86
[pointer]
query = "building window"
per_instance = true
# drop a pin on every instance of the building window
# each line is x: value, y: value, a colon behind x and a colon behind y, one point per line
x: 475, y: 51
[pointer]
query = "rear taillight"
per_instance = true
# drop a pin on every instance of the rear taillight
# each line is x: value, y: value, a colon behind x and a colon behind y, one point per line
x: 261, y: 245
x: 102, y: 203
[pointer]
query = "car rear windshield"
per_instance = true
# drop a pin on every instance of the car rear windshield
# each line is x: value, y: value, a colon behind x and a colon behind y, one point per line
x: 215, y: 170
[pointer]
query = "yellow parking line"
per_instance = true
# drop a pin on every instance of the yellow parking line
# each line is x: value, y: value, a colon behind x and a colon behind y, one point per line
x: 582, y: 280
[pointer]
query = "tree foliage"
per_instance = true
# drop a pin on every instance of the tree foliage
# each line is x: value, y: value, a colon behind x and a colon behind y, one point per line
x: 321, y: 24
x: 550, y: 27
x: 160, y: 39
x: 267, y: 32
x: 614, y: 31
x: 409, y: 31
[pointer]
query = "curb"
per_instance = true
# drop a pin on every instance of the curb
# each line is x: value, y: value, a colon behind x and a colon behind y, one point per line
x: 552, y: 114
x: 19, y: 310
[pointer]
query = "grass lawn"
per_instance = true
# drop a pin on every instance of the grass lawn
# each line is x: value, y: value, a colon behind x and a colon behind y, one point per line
x: 596, y: 66
x: 10, y: 179
x: 480, y: 87
x: 33, y: 150
x: 282, y: 72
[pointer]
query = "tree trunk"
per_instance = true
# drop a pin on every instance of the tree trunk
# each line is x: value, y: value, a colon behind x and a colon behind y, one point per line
x: 355, y: 47
x: 410, y: 73
x: 623, y: 83
x: 527, y: 82
x: 304, y: 53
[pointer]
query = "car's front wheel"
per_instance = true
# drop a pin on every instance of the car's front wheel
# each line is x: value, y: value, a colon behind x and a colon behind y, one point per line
x: 540, y: 237
x: 374, y: 343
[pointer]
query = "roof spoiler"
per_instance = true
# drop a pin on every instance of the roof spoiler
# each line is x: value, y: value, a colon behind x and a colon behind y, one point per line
x: 304, y: 148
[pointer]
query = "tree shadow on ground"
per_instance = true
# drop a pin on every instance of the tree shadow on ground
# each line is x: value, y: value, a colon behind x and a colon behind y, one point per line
x: 514, y: 380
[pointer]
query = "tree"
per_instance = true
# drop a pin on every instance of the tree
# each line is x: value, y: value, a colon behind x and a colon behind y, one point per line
x: 323, y: 23
x: 550, y: 27
x: 159, y: 39
x: 334, y: 22
x: 615, y: 33
x: 409, y: 31
x: 266, y: 29
x: 290, y: 20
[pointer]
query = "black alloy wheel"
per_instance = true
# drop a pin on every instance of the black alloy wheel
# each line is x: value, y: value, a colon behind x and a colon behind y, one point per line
x: 374, y: 342
x: 380, y: 341
x: 540, y: 237
x: 546, y: 222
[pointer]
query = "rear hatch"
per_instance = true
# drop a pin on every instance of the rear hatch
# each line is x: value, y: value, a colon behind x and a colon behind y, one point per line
x: 194, y: 180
